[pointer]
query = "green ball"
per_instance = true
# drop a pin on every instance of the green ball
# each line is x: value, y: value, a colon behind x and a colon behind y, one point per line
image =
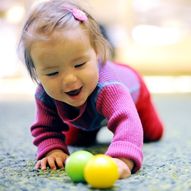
x: 75, y: 165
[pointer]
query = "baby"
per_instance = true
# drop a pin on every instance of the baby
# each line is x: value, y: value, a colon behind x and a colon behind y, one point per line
x: 78, y: 88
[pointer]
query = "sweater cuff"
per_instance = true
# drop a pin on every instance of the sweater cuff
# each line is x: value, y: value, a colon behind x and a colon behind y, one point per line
x: 121, y: 149
x: 49, y: 145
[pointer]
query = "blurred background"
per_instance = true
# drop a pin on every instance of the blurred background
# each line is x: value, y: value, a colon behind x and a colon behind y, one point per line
x: 153, y: 36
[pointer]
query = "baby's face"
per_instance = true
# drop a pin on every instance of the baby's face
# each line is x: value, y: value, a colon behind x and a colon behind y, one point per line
x: 66, y: 66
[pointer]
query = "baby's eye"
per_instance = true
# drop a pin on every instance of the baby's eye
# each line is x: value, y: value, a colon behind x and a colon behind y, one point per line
x: 52, y: 74
x: 79, y: 65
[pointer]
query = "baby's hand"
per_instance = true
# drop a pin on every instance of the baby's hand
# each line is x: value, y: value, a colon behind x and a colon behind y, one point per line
x: 54, y: 159
x: 125, y: 166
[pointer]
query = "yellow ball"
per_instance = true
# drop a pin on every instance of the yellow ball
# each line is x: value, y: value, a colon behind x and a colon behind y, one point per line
x: 101, y: 171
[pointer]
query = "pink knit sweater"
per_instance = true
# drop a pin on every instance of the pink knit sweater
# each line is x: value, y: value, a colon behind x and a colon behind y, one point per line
x: 113, y: 99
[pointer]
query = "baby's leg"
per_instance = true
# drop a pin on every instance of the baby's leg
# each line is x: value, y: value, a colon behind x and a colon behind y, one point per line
x: 152, y: 125
x: 78, y: 137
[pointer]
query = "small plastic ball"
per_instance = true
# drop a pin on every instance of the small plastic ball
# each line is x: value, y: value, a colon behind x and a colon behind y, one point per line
x: 101, y: 171
x: 75, y: 165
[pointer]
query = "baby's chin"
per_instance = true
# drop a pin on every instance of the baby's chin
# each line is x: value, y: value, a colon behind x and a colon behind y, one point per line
x: 78, y: 106
x: 77, y: 102
x: 75, y: 105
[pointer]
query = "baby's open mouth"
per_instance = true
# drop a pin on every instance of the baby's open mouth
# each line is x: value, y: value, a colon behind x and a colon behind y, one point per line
x: 74, y: 92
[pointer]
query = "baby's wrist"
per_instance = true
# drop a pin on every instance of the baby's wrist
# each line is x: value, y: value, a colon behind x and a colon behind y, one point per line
x: 128, y: 162
x: 55, y: 151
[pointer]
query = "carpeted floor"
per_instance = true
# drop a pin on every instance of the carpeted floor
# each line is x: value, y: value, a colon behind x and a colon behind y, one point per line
x: 167, y: 164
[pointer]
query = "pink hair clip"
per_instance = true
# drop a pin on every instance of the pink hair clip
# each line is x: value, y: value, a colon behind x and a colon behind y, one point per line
x: 78, y: 14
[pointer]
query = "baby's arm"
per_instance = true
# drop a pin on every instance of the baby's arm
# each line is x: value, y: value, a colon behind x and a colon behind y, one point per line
x: 54, y: 159
x: 48, y: 133
x: 116, y: 104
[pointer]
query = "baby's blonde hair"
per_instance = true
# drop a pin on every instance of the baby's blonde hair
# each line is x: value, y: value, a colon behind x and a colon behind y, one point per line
x: 51, y: 15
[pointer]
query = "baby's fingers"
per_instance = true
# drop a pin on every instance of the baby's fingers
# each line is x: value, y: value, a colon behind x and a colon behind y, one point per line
x: 59, y: 163
x: 52, y: 163
x: 38, y: 164
x: 124, y: 170
x: 41, y: 164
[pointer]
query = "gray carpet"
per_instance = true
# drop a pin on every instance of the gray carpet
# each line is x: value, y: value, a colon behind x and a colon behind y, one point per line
x: 167, y: 164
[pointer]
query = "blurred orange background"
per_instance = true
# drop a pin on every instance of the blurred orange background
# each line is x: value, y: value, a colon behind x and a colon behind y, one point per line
x: 153, y: 36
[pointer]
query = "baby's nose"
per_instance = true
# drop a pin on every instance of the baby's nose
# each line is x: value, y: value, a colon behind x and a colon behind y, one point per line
x: 69, y: 80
